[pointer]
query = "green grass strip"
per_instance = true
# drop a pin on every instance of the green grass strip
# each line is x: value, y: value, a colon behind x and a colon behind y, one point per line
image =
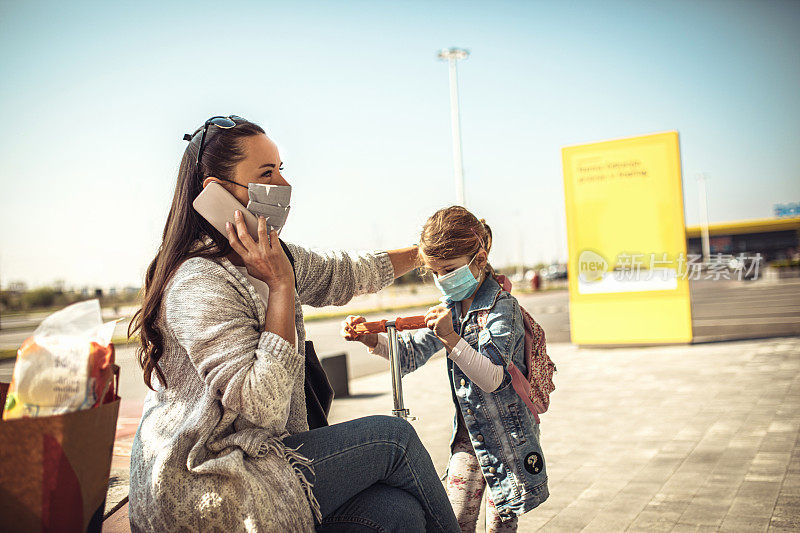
x: 122, y: 341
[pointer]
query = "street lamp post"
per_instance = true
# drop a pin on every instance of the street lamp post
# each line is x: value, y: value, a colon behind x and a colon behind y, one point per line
x: 701, y: 180
x: 452, y: 55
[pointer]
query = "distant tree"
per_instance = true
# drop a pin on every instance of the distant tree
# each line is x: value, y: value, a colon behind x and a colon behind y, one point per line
x: 42, y: 297
x: 58, y: 286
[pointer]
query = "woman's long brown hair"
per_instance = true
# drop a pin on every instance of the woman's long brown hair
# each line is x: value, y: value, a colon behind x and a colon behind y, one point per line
x: 222, y: 151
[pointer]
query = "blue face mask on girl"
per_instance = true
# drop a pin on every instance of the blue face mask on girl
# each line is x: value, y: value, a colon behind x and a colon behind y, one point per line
x: 458, y: 284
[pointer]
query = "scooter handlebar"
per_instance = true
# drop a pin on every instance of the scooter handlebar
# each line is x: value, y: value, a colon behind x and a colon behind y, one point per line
x: 401, y: 324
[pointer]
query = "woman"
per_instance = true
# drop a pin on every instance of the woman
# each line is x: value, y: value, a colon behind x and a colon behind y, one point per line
x: 224, y: 442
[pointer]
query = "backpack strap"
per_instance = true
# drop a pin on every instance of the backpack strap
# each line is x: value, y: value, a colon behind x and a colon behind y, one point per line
x: 522, y: 387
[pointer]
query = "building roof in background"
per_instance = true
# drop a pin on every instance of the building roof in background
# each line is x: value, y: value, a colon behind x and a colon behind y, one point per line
x: 756, y: 225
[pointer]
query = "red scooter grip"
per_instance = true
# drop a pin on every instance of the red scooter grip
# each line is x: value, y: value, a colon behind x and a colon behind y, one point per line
x: 410, y: 322
x: 401, y: 323
x: 370, y: 327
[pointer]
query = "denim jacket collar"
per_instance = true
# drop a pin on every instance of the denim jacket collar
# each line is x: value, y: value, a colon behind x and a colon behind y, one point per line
x: 485, y: 297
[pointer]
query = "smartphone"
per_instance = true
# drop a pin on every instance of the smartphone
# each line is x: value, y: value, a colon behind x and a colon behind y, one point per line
x: 217, y: 205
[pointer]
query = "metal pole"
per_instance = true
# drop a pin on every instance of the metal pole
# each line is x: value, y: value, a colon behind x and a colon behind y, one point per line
x: 521, y: 236
x: 397, y: 383
x: 557, y: 235
x: 452, y: 55
x: 701, y: 179
x: 458, y: 160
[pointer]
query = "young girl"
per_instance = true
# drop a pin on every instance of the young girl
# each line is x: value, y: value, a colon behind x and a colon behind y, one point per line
x: 495, y: 438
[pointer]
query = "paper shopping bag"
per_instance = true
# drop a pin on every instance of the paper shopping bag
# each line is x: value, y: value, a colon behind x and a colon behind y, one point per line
x: 54, y: 469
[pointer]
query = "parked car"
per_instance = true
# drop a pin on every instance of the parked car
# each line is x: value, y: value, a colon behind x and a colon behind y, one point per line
x: 554, y: 272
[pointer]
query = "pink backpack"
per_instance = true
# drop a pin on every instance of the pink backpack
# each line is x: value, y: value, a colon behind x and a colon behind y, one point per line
x: 534, y: 389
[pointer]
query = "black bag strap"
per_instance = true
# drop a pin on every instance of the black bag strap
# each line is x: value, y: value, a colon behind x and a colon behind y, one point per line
x: 318, y: 390
x: 291, y: 260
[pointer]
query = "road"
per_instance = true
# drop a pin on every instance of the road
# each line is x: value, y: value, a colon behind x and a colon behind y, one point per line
x: 728, y: 310
x: 550, y: 308
x: 722, y: 310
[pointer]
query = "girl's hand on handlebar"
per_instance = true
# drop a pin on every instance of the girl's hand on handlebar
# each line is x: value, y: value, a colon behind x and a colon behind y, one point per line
x: 349, y: 333
x: 439, y: 319
x: 264, y: 259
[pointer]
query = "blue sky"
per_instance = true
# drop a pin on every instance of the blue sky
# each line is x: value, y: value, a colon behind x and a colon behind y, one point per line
x: 96, y: 98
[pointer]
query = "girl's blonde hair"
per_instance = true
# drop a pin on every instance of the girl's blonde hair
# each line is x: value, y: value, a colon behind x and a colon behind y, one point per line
x: 455, y: 232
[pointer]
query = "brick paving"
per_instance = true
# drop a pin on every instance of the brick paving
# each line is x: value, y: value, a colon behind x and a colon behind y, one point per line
x: 674, y: 438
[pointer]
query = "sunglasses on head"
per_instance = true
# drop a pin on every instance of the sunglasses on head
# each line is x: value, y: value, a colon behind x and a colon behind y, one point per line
x: 221, y: 122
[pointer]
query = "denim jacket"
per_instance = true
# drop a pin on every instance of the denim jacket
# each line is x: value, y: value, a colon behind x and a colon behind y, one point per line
x: 503, y: 432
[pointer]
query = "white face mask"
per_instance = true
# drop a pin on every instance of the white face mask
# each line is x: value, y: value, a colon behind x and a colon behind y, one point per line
x: 271, y: 202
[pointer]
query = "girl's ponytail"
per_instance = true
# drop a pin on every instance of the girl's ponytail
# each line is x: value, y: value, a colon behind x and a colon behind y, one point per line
x: 487, y: 245
x: 487, y: 235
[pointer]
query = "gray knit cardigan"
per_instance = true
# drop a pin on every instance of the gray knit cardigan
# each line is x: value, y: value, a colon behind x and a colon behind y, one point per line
x: 208, y: 454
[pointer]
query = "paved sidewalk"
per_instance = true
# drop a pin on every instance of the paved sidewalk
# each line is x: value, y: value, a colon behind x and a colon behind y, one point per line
x: 128, y: 421
x: 679, y: 438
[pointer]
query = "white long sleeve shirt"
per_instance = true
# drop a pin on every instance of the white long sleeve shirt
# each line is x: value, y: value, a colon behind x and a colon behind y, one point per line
x: 477, y: 367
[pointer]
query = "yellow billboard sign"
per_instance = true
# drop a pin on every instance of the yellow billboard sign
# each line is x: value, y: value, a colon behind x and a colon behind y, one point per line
x: 627, y: 241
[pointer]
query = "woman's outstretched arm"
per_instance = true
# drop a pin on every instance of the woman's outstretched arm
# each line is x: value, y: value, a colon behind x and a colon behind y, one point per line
x: 333, y: 277
x: 403, y: 260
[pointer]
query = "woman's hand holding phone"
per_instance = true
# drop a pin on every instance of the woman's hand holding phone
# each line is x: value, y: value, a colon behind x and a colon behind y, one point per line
x: 265, y: 258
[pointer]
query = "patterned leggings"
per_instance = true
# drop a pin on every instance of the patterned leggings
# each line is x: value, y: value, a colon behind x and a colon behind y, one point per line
x: 465, y: 486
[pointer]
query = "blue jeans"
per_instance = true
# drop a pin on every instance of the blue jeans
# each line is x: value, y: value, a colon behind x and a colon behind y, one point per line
x: 373, y: 474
